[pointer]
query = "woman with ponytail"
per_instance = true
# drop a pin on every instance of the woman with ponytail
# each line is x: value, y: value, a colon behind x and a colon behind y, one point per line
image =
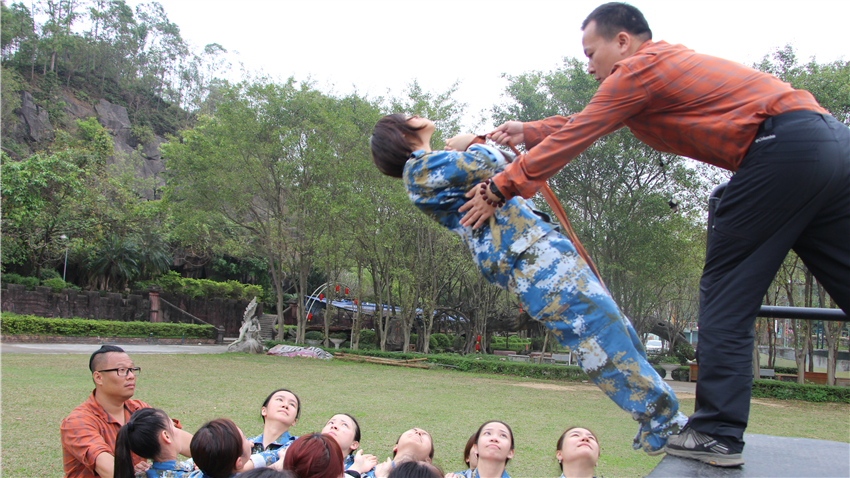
x: 149, y: 433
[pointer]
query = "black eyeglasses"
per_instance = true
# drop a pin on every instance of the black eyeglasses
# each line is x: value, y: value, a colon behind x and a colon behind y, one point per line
x: 123, y: 371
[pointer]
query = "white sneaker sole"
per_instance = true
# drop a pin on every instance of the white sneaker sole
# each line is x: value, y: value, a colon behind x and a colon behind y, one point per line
x: 713, y: 459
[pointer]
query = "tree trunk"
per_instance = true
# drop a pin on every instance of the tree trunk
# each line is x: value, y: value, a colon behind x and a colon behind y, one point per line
x: 302, y: 314
x: 355, y: 327
x: 278, y: 289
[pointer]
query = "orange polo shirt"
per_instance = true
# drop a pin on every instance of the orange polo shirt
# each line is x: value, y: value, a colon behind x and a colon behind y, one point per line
x: 89, y: 431
x: 671, y: 98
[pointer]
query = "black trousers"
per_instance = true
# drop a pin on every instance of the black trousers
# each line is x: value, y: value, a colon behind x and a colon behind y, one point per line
x: 792, y: 191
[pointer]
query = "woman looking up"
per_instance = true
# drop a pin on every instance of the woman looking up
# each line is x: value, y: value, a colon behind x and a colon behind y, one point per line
x: 577, y: 453
x: 343, y: 428
x: 280, y: 411
x: 494, y: 447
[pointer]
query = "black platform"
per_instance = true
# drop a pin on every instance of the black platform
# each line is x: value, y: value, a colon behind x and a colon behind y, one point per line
x: 769, y: 456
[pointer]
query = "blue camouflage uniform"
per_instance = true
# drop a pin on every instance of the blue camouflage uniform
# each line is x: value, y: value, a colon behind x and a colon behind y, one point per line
x: 349, y: 460
x: 269, y: 454
x: 474, y: 474
x: 519, y: 251
x: 173, y: 469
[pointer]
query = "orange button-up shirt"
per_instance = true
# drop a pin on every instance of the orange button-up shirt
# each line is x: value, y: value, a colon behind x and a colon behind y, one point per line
x: 671, y: 98
x: 89, y: 431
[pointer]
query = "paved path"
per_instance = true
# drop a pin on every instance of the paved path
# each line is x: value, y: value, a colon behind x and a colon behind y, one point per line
x: 88, y: 349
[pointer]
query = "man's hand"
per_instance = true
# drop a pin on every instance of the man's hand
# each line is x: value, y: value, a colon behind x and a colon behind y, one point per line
x: 478, y: 209
x: 510, y: 131
x: 363, y: 463
x: 141, y: 467
x: 459, y: 142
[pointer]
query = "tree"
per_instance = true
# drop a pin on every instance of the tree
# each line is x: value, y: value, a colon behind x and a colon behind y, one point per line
x: 262, y: 166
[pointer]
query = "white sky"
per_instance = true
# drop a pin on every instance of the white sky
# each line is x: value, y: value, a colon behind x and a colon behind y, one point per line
x: 380, y: 46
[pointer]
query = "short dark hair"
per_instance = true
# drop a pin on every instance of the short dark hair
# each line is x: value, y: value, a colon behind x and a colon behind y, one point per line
x: 297, y: 401
x: 140, y: 436
x: 216, y: 446
x: 314, y: 456
x: 416, y: 469
x: 615, y: 17
x: 94, y: 360
x: 390, y: 144
x: 510, y: 432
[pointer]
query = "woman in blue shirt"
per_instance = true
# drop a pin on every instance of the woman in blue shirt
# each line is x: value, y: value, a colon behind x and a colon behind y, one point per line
x: 149, y: 433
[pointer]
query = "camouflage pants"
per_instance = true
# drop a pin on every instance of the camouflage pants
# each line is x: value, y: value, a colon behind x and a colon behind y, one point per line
x: 558, y: 288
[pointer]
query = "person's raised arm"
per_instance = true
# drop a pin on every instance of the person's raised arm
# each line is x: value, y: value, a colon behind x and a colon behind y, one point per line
x: 509, y: 131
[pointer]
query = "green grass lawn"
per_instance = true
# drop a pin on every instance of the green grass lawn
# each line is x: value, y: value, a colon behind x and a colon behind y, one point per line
x: 39, y: 390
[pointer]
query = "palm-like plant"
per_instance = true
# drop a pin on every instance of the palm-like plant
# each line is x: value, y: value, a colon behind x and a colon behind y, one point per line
x: 115, y: 259
x: 154, y: 256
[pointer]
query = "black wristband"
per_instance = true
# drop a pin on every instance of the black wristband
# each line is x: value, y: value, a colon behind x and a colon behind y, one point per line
x: 352, y: 473
x: 495, y: 191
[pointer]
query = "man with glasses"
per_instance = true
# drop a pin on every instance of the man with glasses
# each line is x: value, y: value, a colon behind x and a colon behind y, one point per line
x: 88, y: 433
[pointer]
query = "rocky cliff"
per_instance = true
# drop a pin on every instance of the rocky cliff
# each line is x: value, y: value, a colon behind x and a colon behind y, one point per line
x: 34, y: 131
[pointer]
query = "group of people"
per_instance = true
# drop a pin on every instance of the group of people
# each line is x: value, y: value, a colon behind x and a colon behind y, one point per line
x: 791, y: 190
x: 113, y: 435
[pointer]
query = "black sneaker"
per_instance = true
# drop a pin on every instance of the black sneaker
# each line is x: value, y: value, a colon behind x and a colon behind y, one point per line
x: 699, y: 446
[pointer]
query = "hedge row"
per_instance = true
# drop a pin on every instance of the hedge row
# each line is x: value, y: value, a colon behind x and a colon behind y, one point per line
x: 172, y: 282
x: 795, y: 391
x: 13, y: 324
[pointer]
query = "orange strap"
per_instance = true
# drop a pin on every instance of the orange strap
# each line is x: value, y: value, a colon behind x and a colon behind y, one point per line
x: 560, y: 214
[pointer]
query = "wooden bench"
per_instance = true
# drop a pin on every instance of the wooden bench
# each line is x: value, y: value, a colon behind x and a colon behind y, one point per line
x: 504, y: 352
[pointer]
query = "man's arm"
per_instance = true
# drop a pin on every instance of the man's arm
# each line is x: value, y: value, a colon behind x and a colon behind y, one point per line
x: 104, y: 465
x: 620, y: 97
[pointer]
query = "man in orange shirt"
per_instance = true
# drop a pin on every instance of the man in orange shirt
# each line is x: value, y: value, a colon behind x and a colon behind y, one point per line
x: 791, y: 190
x: 88, y: 432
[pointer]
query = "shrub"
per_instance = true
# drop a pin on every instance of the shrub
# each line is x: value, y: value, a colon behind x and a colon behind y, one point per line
x: 442, y: 341
x: 30, y: 282
x: 252, y: 291
x: 12, y: 279
x: 46, y: 274
x: 339, y: 335
x: 235, y: 289
x: 795, y: 391
x: 367, y: 337
x: 414, y: 338
x: 55, y: 284
x: 458, y: 342
x: 13, y: 324
x: 170, y: 282
x: 314, y: 335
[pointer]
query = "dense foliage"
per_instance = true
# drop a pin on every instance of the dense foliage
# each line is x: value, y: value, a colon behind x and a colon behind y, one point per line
x: 13, y: 324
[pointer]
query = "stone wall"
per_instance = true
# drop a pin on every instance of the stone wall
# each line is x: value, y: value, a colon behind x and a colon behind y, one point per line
x: 42, y: 302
